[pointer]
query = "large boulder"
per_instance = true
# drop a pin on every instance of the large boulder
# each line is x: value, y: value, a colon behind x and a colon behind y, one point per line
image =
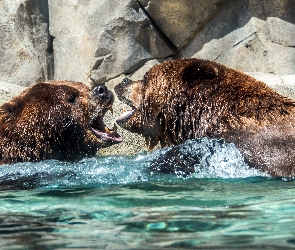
x: 250, y: 35
x: 102, y: 39
x: 181, y: 20
x: 9, y: 90
x: 284, y: 84
x: 24, y: 41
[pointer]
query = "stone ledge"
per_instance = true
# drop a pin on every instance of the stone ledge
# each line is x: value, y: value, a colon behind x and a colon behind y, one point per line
x: 9, y: 90
x: 283, y: 84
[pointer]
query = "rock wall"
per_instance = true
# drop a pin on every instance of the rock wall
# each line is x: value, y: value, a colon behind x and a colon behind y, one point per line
x: 249, y: 36
x: 101, y: 42
x: 108, y: 38
x: 24, y: 42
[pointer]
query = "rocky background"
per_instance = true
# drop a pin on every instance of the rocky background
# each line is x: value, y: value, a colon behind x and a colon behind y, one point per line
x: 101, y: 42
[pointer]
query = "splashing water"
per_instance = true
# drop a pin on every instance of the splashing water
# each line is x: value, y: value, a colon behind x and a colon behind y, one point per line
x: 121, y: 202
x: 215, y: 159
x: 210, y: 158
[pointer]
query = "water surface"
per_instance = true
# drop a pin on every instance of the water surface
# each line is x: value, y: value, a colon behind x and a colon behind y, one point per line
x: 117, y: 202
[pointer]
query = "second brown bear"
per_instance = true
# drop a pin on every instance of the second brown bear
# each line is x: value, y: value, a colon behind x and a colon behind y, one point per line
x: 191, y: 98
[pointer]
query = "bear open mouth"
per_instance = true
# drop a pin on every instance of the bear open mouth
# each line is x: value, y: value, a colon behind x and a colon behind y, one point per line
x: 99, y: 128
x: 127, y: 113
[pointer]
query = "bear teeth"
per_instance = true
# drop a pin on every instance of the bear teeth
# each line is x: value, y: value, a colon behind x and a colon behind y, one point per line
x: 109, y: 135
x: 107, y: 130
x: 111, y: 109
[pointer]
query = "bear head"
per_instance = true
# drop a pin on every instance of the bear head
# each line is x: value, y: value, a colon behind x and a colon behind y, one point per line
x: 55, y: 120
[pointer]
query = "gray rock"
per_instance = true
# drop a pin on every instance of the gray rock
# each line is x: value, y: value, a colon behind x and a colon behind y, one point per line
x: 180, y: 20
x: 74, y: 25
x: 283, y: 84
x: 128, y: 41
x: 108, y: 38
x: 250, y: 36
x: 8, y: 91
x: 24, y: 41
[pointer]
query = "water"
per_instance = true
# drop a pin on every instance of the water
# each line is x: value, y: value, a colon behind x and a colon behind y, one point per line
x: 119, y: 203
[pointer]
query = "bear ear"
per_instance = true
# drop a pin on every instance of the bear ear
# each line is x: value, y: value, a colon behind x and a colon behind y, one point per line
x: 200, y: 70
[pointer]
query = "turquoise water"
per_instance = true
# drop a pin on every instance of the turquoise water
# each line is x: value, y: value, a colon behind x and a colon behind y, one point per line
x: 119, y: 203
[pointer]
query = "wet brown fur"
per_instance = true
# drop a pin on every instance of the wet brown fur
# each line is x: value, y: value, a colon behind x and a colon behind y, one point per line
x: 191, y: 98
x: 48, y: 121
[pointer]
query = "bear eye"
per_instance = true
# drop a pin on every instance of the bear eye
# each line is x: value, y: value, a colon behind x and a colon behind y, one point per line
x: 8, y: 107
x: 72, y: 98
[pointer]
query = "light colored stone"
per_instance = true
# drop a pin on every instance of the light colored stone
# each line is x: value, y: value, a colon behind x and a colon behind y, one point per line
x: 9, y: 90
x: 126, y: 44
x: 74, y: 26
x: 281, y: 32
x: 106, y: 38
x: 283, y: 84
x: 249, y: 36
x: 180, y: 20
x: 24, y: 41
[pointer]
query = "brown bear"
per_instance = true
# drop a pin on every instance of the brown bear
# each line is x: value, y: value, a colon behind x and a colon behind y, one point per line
x: 191, y: 98
x: 55, y: 120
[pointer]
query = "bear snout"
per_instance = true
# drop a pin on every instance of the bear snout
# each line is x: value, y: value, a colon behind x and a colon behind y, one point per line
x: 102, y: 92
x: 122, y: 87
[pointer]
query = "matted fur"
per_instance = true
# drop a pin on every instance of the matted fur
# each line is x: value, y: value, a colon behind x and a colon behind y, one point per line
x: 191, y: 98
x: 50, y: 121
